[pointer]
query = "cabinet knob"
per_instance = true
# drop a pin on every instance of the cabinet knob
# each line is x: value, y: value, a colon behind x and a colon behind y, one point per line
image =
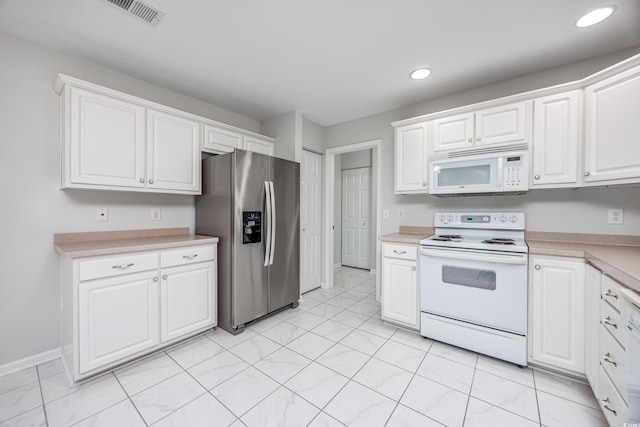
x: 470, y: 140
x: 150, y: 181
x: 155, y: 279
x: 424, y: 184
x: 141, y: 180
x: 164, y: 277
x: 586, y: 174
x: 304, y: 229
x: 478, y: 139
x: 537, y: 177
x: 413, y: 268
x: 537, y: 267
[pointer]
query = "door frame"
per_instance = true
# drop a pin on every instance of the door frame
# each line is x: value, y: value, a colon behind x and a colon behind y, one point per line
x: 329, y: 182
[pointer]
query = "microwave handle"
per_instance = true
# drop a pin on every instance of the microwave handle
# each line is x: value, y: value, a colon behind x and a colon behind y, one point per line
x: 500, y: 176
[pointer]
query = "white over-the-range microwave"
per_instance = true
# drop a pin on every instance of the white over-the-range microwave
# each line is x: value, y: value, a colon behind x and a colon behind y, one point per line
x: 496, y: 173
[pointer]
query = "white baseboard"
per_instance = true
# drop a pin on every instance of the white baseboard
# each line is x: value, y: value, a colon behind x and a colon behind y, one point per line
x: 337, y: 264
x: 29, y: 362
x: 372, y: 271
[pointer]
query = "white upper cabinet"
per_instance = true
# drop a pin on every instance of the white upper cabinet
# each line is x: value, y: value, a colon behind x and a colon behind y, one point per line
x: 411, y: 159
x: 259, y: 145
x: 114, y: 141
x: 612, y: 152
x: 556, y: 121
x: 105, y: 141
x: 220, y: 140
x: 505, y: 124
x: 173, y: 153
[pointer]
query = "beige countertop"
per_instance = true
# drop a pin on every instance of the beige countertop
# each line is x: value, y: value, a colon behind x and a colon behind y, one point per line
x: 408, y: 234
x: 616, y: 256
x: 75, y: 245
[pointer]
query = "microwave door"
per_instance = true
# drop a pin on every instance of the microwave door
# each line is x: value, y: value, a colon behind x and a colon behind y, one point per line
x: 468, y: 176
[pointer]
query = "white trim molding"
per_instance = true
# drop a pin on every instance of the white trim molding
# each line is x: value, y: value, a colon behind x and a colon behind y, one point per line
x: 30, y: 361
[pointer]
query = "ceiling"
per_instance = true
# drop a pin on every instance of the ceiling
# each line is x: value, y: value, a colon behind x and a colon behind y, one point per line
x: 333, y: 60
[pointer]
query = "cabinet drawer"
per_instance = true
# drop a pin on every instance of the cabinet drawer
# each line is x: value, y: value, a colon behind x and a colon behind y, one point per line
x: 611, y: 403
x: 187, y: 255
x: 95, y: 268
x: 614, y: 360
x: 401, y: 251
x: 612, y: 321
x: 611, y: 291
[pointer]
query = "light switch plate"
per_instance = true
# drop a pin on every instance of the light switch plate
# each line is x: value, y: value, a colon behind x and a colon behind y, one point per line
x: 400, y: 213
x: 385, y: 213
x: 155, y: 214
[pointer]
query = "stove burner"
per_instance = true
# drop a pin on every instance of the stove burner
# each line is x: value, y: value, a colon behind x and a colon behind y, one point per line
x: 499, y: 241
x: 447, y: 238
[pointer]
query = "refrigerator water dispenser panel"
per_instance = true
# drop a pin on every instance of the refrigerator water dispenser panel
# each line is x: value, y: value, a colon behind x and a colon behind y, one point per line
x: 252, y: 227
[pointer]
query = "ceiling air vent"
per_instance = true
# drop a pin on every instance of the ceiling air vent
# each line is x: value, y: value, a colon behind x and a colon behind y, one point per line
x: 140, y: 10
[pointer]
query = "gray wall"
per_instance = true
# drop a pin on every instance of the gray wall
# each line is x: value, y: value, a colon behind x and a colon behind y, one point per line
x: 312, y: 136
x: 33, y: 206
x: 583, y: 210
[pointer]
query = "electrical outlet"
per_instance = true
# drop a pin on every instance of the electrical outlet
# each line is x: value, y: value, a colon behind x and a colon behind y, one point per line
x: 155, y: 214
x: 616, y: 216
x: 102, y: 214
x: 400, y: 213
x: 385, y: 213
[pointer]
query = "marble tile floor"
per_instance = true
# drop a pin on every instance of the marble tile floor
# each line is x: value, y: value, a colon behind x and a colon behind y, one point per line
x: 330, y: 362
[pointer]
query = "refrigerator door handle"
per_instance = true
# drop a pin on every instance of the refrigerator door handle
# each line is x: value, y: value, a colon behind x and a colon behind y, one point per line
x: 267, y: 242
x: 273, y: 223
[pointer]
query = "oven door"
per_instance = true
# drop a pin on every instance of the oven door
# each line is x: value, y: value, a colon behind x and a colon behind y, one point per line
x: 481, y: 287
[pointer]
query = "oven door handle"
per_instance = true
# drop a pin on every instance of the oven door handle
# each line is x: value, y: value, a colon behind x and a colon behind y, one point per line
x: 471, y: 255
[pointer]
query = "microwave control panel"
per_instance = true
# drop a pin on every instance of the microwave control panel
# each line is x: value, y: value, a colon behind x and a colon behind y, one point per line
x: 515, y: 174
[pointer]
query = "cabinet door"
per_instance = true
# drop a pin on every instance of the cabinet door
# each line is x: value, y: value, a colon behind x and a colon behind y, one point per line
x: 117, y: 317
x: 400, y: 297
x: 612, y: 129
x: 592, y: 356
x: 188, y: 299
x: 221, y: 140
x: 259, y: 145
x: 411, y: 159
x: 504, y: 124
x: 555, y: 140
x: 453, y: 133
x: 106, y: 141
x: 173, y: 153
x: 558, y: 313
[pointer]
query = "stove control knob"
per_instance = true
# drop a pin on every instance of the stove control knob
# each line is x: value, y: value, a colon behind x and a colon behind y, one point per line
x: 503, y: 218
x: 450, y: 218
x: 514, y: 219
x: 441, y: 218
x: 485, y: 219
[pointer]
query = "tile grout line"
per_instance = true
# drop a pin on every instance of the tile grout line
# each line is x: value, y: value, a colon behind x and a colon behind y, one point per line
x: 44, y: 409
x: 466, y: 408
x: 131, y: 400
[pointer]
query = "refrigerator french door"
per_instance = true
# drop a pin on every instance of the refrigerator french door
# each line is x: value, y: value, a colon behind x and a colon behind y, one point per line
x: 252, y: 203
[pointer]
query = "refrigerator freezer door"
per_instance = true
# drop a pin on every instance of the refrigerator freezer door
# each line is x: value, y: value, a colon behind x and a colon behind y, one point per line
x: 250, y: 284
x: 284, y: 286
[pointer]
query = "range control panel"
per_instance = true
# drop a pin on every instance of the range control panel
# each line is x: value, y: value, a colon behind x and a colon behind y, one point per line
x: 507, y: 220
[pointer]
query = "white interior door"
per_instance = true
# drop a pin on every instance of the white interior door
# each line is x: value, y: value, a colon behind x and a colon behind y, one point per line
x: 310, y: 225
x: 356, y: 210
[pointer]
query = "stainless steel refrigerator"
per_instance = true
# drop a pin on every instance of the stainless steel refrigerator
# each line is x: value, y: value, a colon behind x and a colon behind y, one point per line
x: 252, y: 203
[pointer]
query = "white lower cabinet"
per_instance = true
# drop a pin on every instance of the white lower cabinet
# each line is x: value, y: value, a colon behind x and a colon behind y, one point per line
x: 592, y: 325
x: 557, y: 307
x: 118, y: 307
x: 400, y: 288
x: 188, y: 302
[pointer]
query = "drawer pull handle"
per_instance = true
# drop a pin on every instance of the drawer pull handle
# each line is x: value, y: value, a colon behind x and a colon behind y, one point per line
x: 605, y: 401
x: 607, y: 320
x: 399, y: 252
x: 610, y: 293
x: 189, y: 256
x: 122, y: 267
x: 607, y: 359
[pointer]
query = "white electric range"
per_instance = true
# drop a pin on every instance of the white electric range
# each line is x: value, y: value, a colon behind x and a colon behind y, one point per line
x: 473, y: 283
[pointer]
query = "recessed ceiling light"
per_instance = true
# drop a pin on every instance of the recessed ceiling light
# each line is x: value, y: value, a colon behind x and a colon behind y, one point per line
x: 595, y: 16
x: 420, y: 73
